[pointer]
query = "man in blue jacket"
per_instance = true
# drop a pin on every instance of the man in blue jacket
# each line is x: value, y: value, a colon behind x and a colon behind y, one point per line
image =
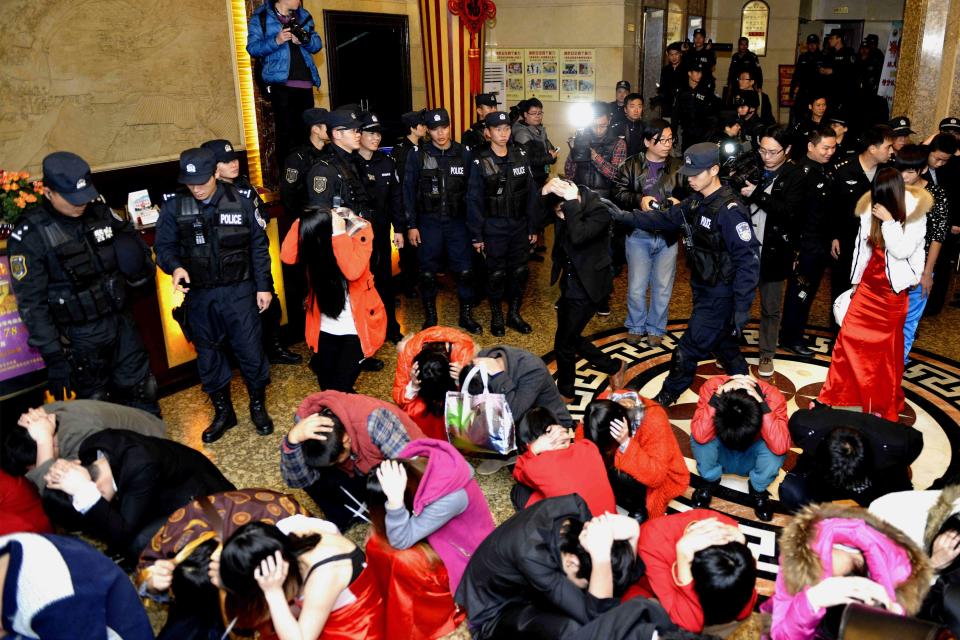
x: 283, y: 36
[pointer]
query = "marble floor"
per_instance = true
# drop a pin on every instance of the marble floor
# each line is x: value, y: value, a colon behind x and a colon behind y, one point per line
x: 249, y: 460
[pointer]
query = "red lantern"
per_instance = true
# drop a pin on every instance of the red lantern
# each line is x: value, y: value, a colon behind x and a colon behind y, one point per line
x: 473, y: 13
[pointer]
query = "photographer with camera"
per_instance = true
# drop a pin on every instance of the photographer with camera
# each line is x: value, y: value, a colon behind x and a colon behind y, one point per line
x: 595, y: 154
x: 282, y: 37
x: 773, y: 203
x: 722, y: 254
x: 643, y: 182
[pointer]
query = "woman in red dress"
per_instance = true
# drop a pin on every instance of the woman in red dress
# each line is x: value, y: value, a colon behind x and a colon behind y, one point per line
x: 888, y: 259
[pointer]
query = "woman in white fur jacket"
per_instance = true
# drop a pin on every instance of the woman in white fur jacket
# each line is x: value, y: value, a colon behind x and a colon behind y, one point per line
x: 888, y: 259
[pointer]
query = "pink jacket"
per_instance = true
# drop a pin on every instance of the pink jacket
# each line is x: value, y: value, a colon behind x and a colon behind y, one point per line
x: 806, y: 553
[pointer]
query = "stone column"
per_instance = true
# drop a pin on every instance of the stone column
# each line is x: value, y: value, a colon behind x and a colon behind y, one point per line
x: 928, y: 88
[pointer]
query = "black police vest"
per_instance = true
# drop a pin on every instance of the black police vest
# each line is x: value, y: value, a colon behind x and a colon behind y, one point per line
x: 352, y: 192
x: 441, y: 191
x: 505, y: 186
x: 708, y: 257
x: 89, y: 285
x: 215, y: 250
x: 587, y: 175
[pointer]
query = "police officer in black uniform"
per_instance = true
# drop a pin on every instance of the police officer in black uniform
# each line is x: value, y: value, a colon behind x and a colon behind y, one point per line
x: 211, y: 240
x: 297, y: 165
x: 434, y: 199
x: 473, y: 138
x: 743, y: 60
x: 697, y: 108
x: 806, y: 81
x: 379, y: 174
x: 870, y: 67
x: 751, y: 126
x: 702, y: 55
x: 502, y: 216
x: 723, y: 256
x: 228, y: 170
x: 71, y: 261
x: 839, y: 69
x: 814, y: 232
x: 409, y: 265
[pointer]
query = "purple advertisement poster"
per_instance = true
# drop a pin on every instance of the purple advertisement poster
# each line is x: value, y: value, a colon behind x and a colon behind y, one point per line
x: 16, y: 357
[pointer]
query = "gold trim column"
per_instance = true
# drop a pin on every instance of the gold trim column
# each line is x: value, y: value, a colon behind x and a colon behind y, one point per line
x: 927, y: 85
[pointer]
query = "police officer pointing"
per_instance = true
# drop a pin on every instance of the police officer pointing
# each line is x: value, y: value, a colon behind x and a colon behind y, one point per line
x: 211, y: 240
x: 70, y: 260
x: 502, y: 210
x: 723, y: 256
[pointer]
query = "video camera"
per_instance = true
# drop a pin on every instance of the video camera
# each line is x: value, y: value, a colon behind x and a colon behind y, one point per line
x: 739, y: 164
x: 297, y: 29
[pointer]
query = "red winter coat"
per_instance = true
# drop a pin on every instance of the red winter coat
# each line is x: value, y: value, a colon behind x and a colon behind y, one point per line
x: 577, y: 469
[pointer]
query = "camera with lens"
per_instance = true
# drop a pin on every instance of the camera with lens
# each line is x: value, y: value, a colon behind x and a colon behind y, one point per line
x: 297, y: 29
x: 739, y: 164
x: 580, y: 149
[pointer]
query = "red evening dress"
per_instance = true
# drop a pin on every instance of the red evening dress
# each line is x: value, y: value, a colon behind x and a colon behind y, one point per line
x: 867, y: 363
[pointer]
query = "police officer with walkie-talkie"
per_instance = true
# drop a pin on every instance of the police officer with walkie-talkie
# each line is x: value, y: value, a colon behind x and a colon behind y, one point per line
x: 724, y: 261
x: 211, y: 242
x: 71, y: 260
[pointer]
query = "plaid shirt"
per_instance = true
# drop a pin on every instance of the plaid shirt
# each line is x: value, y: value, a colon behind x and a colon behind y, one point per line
x: 385, y: 429
x: 607, y: 169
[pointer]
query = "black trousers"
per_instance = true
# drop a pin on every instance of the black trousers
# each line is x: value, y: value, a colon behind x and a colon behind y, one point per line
x: 337, y: 362
x: 574, y: 313
x: 507, y: 250
x: 382, y: 266
x: 332, y: 492
x: 288, y: 106
x: 801, y: 290
x: 635, y: 619
x: 943, y: 274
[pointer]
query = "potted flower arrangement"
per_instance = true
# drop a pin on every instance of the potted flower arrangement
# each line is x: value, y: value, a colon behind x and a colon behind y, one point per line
x: 17, y: 194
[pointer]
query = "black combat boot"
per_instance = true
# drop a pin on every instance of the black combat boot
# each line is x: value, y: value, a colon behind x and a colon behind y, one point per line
x: 224, y: 416
x: 429, y: 312
x: 514, y: 320
x: 258, y: 412
x: 276, y: 354
x: 497, y: 327
x: 466, y: 318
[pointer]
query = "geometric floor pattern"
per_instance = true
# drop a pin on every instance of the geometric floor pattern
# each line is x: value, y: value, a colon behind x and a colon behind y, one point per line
x: 931, y: 385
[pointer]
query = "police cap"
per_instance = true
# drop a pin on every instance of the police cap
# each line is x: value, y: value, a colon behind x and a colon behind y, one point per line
x: 369, y: 122
x: 842, y: 121
x: 197, y: 166
x: 836, y: 33
x: 342, y: 119
x: 872, y: 38
x: 700, y: 157
x: 413, y: 119
x: 69, y: 175
x: 950, y: 124
x: 496, y: 118
x: 900, y: 126
x: 700, y: 31
x: 747, y: 99
x: 623, y: 84
x: 695, y: 65
x: 813, y: 38
x: 729, y: 118
x: 222, y: 150
x: 437, y: 118
x: 487, y: 100
x: 315, y: 116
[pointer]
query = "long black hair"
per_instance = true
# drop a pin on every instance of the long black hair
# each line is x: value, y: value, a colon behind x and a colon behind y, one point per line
x: 315, y: 252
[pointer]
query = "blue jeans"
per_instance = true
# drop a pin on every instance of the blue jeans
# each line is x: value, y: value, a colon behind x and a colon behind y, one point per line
x: 649, y: 262
x: 758, y: 462
x: 914, y: 312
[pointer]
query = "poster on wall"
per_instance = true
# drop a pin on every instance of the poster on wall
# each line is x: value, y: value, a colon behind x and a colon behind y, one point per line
x: 512, y: 59
x: 16, y: 356
x: 542, y: 76
x: 577, y: 75
x: 888, y: 78
x: 754, y: 23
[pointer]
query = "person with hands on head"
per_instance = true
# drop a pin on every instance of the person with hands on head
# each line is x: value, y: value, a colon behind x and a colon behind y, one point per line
x: 551, y: 464
x: 346, y: 321
x: 301, y: 586
x: 582, y: 264
x: 428, y: 366
x: 698, y: 567
x: 866, y: 368
x: 740, y: 426
x: 833, y: 555
x: 337, y: 441
x: 722, y: 253
x: 211, y: 240
x: 502, y: 217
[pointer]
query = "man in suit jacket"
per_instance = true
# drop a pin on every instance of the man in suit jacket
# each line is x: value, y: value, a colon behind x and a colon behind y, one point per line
x: 581, y: 255
x: 848, y: 456
x: 126, y: 485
